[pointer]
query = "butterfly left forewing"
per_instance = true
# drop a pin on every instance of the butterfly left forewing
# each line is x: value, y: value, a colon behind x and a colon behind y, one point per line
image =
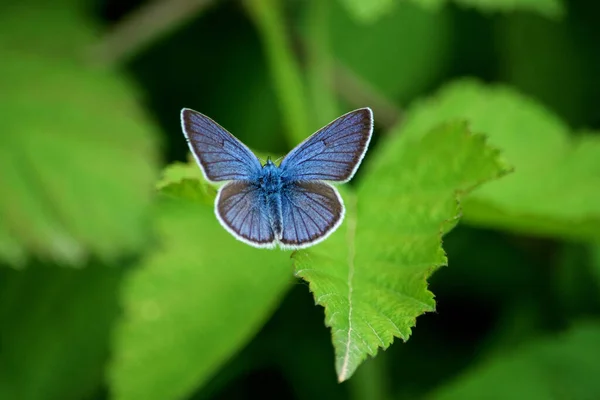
x: 311, y: 211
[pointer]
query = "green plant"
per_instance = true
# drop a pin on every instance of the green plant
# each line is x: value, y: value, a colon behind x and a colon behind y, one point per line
x: 115, y: 286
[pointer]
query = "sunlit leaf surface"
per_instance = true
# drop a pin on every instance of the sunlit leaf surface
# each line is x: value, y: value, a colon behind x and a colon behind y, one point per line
x: 371, y: 275
x: 555, y: 190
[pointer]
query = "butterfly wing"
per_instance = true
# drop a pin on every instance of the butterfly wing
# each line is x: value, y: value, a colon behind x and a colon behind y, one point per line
x: 243, y: 212
x: 221, y: 156
x: 334, y: 152
x: 311, y: 211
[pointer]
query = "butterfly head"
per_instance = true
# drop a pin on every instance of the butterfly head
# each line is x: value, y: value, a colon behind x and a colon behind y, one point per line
x: 269, y: 163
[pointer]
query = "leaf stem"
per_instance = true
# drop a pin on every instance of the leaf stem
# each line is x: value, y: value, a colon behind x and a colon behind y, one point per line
x: 142, y: 27
x: 320, y: 63
x: 287, y: 78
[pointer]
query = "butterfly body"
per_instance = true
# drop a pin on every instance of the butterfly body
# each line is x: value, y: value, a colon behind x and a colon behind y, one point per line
x: 271, y: 186
x: 291, y: 205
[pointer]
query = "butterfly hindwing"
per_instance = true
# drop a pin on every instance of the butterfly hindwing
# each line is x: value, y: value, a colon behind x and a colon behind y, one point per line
x: 221, y: 156
x: 243, y: 212
x: 310, y: 212
x: 334, y: 152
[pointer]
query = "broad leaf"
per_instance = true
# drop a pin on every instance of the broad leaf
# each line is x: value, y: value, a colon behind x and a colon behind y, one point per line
x: 54, y: 330
x: 561, y: 367
x: 371, y: 275
x: 196, y: 299
x: 77, y: 155
x: 555, y: 190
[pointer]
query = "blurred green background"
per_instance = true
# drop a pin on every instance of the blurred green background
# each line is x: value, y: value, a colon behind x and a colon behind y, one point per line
x: 90, y: 94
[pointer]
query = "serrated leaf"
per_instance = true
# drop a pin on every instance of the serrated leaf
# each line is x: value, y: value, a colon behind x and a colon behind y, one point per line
x: 371, y: 275
x: 185, y: 181
x: 77, y: 155
x: 54, y: 330
x: 562, y: 367
x: 555, y: 190
x: 191, y: 304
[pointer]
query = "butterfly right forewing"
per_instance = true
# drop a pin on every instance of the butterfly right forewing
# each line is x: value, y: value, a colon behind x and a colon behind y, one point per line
x: 334, y: 152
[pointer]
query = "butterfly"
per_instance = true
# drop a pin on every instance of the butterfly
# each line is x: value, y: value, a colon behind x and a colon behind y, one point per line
x: 291, y: 205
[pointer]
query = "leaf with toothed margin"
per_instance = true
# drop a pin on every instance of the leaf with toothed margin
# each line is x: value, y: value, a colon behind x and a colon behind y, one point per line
x: 550, y: 161
x: 371, y: 275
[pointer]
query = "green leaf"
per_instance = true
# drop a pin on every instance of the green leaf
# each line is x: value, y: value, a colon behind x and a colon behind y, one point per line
x: 366, y: 49
x: 55, y: 327
x: 555, y: 190
x: 191, y: 304
x: 371, y: 275
x: 77, y: 154
x: 186, y: 181
x: 562, y: 367
x: 368, y: 11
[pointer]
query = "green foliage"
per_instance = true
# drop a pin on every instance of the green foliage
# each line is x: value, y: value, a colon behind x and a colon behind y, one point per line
x: 565, y: 366
x: 54, y: 330
x: 166, y: 304
x: 193, y: 302
x: 551, y: 50
x: 287, y: 80
x: 371, y: 275
x: 368, y: 11
x: 67, y: 131
x: 546, y: 158
x: 407, y: 67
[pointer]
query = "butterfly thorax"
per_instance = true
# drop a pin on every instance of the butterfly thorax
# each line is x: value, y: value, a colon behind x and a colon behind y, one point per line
x: 271, y: 185
x: 270, y: 179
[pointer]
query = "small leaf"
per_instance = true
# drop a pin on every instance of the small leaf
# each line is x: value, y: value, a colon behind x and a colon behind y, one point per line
x: 549, y: 164
x: 54, y: 330
x: 77, y: 155
x: 192, y: 303
x: 186, y: 181
x: 563, y: 367
x: 371, y: 275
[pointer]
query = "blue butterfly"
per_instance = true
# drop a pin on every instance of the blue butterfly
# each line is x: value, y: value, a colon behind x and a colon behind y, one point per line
x: 289, y: 205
